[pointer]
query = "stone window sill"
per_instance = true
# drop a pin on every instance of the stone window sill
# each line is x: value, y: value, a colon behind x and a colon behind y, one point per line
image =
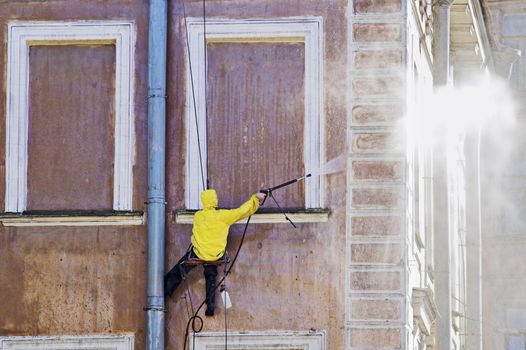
x: 267, y: 216
x: 72, y: 218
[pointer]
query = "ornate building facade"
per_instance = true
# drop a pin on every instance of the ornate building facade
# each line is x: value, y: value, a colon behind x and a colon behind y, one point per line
x: 389, y: 250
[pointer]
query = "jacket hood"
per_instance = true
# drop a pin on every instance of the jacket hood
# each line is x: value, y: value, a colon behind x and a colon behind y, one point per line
x: 209, y: 199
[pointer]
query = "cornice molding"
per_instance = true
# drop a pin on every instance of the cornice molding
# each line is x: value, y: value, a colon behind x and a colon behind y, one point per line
x: 505, y: 57
x: 442, y: 3
x: 505, y: 4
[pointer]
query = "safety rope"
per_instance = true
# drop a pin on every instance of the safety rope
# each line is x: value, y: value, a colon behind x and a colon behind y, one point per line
x: 193, y: 97
x: 226, y: 327
x: 206, y: 92
x: 195, y: 317
x: 192, y: 320
x: 191, y: 302
x: 224, y: 298
x: 185, y: 297
x: 197, y: 327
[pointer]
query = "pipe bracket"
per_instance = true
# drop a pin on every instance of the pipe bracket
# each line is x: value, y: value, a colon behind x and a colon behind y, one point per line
x: 154, y: 308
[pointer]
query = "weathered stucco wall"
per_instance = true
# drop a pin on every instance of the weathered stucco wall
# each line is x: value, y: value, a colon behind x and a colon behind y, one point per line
x: 285, y: 278
x: 92, y: 280
x: 72, y: 281
x: 85, y: 280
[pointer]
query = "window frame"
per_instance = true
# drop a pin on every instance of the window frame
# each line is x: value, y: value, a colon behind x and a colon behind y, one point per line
x: 21, y: 36
x: 510, y: 337
x: 68, y: 342
x: 307, y: 30
x: 304, y: 340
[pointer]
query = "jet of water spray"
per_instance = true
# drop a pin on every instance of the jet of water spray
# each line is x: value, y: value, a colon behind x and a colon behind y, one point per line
x: 333, y: 166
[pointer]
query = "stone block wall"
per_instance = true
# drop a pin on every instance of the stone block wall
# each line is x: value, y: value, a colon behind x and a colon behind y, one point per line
x: 376, y: 288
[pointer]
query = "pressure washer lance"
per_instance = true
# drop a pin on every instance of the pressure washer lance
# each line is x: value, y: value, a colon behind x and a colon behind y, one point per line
x: 269, y: 190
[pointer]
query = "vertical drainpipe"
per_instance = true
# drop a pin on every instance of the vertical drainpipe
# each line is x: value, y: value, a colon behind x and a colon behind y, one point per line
x: 441, y: 42
x: 473, y: 241
x: 157, y: 34
x: 442, y: 239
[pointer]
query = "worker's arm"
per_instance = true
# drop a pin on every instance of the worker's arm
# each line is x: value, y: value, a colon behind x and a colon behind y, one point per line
x: 246, y: 209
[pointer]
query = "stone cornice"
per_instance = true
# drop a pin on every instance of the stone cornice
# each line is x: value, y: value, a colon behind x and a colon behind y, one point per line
x: 442, y: 3
x: 424, y: 309
x: 504, y: 59
x: 505, y: 4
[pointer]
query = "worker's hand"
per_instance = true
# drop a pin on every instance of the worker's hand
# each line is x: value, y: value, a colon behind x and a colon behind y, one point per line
x: 261, y: 196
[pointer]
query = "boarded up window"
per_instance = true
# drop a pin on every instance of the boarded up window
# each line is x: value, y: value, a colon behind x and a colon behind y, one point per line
x: 71, y: 117
x: 256, y: 120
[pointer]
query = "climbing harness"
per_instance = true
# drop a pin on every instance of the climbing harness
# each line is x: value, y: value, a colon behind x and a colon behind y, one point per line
x: 193, y: 260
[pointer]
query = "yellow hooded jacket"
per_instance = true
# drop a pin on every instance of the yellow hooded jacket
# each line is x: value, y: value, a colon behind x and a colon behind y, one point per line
x: 211, y: 225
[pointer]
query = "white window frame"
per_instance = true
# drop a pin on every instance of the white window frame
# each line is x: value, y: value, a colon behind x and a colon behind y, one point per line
x: 308, y: 30
x: 511, y: 339
x: 79, y: 342
x: 23, y: 35
x: 271, y: 340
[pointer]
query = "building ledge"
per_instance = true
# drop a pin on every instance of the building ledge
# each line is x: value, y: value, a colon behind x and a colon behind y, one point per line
x: 267, y: 216
x: 72, y: 218
x: 425, y: 311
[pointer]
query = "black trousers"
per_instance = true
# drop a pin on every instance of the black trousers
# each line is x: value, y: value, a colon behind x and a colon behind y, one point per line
x: 178, y: 273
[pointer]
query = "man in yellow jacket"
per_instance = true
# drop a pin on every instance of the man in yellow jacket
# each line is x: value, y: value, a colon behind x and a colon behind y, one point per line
x: 209, y: 238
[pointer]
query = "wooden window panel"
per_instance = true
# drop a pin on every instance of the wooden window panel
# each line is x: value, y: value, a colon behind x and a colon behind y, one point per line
x: 256, y: 120
x: 71, y: 127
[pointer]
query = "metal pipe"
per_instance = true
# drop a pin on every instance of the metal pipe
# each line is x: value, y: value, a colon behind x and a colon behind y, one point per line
x: 442, y: 9
x: 473, y: 242
x: 442, y: 227
x: 157, y: 42
x: 442, y: 222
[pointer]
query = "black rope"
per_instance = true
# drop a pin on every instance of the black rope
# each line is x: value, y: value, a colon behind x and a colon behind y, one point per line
x: 226, y: 319
x: 240, y: 244
x: 223, y: 288
x: 206, y: 91
x: 191, y: 302
x: 186, y: 302
x: 193, y: 96
x: 281, y: 209
x: 196, y: 318
x: 192, y: 319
